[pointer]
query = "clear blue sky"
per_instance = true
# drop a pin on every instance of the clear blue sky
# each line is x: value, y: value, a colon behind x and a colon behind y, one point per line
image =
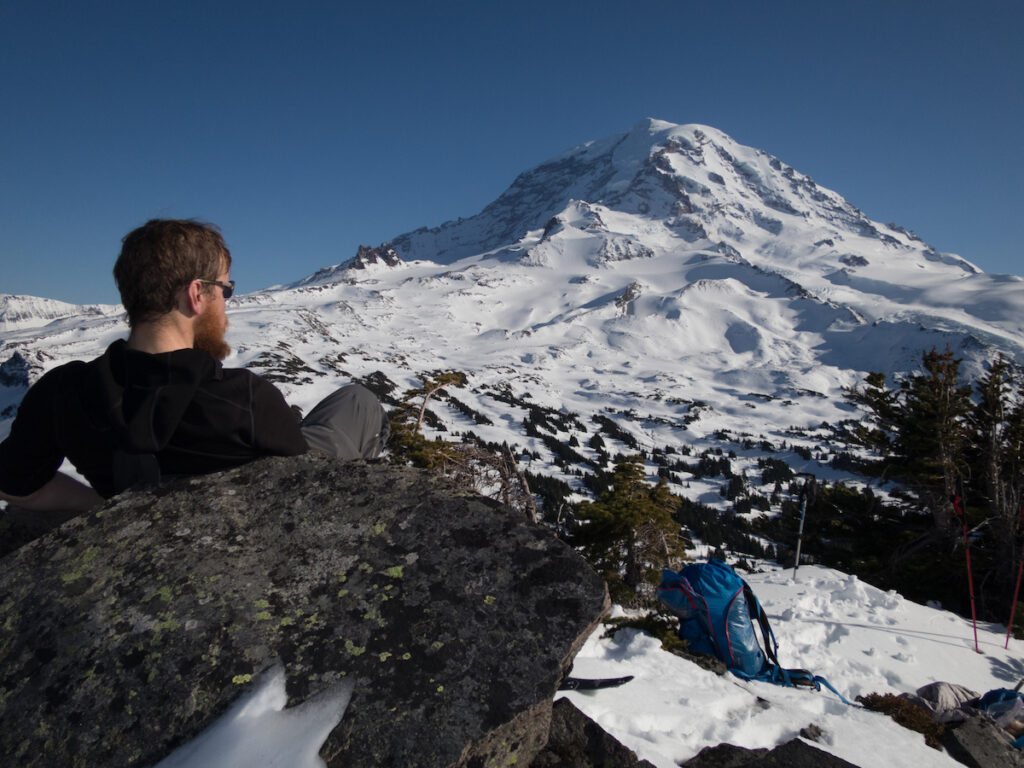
x: 304, y: 129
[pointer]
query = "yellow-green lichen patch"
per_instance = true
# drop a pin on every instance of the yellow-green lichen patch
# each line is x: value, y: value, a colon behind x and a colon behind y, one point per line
x: 259, y: 604
x: 406, y: 656
x: 372, y: 614
x: 379, y: 528
x: 384, y: 656
x: 490, y: 600
x: 262, y: 616
x: 167, y: 623
x: 75, y: 575
x: 342, y: 592
x: 354, y: 650
x: 394, y: 572
x: 241, y: 679
x: 164, y: 593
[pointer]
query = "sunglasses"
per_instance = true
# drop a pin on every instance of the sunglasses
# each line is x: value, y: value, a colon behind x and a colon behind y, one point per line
x: 228, y: 288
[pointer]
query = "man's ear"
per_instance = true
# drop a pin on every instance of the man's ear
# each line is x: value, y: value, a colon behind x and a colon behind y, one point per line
x: 193, y: 300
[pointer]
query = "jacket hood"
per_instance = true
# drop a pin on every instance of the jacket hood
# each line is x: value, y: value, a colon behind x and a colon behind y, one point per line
x: 146, y: 414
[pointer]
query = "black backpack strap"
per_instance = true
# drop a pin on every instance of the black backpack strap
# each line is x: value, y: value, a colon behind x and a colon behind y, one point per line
x: 131, y: 469
x: 757, y: 614
x: 775, y: 672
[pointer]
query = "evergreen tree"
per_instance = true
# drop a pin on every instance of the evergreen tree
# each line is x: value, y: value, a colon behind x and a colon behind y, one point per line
x: 488, y: 469
x: 629, y: 534
x: 921, y: 431
x: 933, y: 436
x: 407, y: 443
x: 938, y: 442
x: 879, y: 430
x: 997, y: 425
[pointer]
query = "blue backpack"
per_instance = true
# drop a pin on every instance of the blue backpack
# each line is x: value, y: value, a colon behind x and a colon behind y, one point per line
x: 717, y: 611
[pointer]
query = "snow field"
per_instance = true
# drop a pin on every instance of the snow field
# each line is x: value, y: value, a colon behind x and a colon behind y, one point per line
x: 861, y: 639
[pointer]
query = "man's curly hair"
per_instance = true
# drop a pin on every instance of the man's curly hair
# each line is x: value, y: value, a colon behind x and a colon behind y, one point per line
x: 160, y: 258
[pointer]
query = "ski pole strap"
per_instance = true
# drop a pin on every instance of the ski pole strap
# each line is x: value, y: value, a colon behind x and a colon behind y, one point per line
x: 822, y: 681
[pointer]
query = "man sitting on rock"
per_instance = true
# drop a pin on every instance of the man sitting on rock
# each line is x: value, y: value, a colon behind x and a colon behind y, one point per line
x: 160, y: 404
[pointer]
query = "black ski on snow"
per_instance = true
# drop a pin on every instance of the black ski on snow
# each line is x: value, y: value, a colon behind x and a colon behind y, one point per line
x: 592, y: 684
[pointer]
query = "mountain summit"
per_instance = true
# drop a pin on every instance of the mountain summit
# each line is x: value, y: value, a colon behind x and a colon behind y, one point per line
x: 693, y: 179
x: 688, y: 190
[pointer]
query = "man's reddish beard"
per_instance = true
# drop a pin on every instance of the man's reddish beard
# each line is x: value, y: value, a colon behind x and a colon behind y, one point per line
x: 210, y: 328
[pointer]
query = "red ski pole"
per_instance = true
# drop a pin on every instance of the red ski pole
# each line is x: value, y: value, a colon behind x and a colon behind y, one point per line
x: 1016, y: 591
x: 1013, y: 608
x: 970, y: 579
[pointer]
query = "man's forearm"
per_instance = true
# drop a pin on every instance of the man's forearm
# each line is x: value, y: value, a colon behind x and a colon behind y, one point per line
x: 61, y: 494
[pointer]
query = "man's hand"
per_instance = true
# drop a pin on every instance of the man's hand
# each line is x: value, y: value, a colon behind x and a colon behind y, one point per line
x: 61, y: 494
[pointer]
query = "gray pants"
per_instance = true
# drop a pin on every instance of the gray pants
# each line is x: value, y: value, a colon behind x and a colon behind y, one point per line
x: 348, y: 424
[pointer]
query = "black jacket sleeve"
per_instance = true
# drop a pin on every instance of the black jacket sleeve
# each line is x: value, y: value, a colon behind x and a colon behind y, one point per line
x: 275, y: 428
x: 31, y: 455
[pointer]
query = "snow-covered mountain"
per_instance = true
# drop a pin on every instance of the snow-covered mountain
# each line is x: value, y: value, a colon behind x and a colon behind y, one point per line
x: 668, y: 288
x: 32, y: 312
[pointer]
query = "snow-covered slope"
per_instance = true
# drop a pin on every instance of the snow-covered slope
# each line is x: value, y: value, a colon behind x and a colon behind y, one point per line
x: 862, y: 640
x: 33, y: 312
x: 688, y: 288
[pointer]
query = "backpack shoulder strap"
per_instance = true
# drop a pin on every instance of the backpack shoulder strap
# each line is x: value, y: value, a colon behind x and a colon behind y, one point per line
x: 773, y: 671
x: 758, y: 615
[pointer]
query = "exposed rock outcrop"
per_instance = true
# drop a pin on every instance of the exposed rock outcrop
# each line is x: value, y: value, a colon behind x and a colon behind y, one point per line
x: 15, y: 371
x: 793, y: 754
x: 980, y: 743
x: 576, y: 741
x: 130, y: 629
x: 383, y: 254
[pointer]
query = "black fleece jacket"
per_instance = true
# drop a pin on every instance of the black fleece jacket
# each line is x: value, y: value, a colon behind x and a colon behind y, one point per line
x: 183, y: 407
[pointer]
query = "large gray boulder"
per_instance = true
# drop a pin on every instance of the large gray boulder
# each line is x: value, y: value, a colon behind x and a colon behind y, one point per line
x: 979, y: 743
x: 127, y: 631
x: 576, y: 741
